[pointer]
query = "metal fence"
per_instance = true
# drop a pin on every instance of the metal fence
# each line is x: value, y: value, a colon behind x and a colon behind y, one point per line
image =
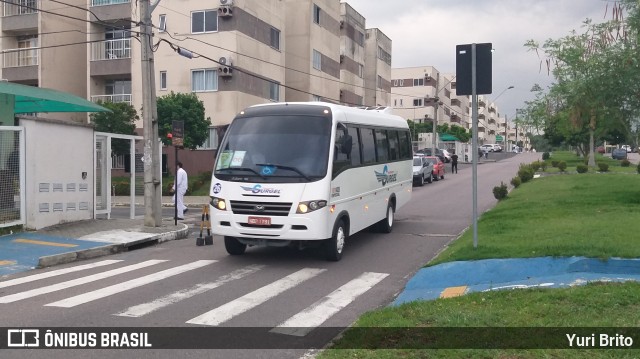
x: 108, y: 2
x: 12, y: 185
x: 20, y: 7
x: 111, y: 49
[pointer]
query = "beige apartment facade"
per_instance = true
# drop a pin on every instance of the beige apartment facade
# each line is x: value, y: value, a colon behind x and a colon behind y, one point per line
x: 377, y: 74
x: 231, y: 53
x: 42, y: 49
x: 423, y: 94
x: 415, y: 95
x: 313, y: 50
x: 352, y: 56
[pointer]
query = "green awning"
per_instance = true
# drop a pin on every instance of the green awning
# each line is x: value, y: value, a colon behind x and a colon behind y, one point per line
x: 447, y: 137
x: 29, y: 99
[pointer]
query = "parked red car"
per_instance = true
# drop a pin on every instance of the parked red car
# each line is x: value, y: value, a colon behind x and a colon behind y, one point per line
x: 438, y: 167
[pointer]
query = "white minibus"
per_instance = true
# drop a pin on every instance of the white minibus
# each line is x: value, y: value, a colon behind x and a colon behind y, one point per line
x: 309, y: 173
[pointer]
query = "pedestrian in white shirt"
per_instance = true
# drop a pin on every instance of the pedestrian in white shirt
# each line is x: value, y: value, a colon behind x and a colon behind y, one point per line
x: 182, y: 184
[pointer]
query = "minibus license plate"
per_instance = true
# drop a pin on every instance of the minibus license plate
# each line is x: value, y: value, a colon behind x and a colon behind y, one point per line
x: 260, y: 221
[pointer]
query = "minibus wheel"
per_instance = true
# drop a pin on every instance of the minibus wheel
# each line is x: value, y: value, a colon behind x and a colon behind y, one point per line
x: 233, y: 246
x: 335, y: 245
x: 386, y: 224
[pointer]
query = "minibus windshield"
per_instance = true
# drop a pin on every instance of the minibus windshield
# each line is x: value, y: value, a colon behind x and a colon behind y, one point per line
x: 275, y: 149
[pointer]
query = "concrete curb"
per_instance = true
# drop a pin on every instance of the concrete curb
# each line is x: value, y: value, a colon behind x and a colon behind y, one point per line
x: 68, y: 257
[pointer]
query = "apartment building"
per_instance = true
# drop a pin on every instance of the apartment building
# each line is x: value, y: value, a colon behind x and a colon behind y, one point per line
x: 423, y: 94
x: 352, y: 56
x: 238, y: 52
x: 420, y: 94
x: 313, y: 50
x: 377, y: 73
x: 40, y: 48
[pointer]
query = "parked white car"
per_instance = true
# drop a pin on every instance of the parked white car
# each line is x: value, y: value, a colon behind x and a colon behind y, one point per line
x: 491, y: 147
x: 422, y: 170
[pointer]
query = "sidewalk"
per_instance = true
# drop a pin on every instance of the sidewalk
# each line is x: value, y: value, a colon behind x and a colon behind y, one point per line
x: 80, y: 240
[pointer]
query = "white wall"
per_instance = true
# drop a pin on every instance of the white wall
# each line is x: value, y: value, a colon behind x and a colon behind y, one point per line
x: 57, y: 155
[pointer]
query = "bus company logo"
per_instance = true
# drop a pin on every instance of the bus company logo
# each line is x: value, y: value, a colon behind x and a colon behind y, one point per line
x: 386, y: 176
x: 23, y: 338
x: 217, y: 188
x: 258, y: 189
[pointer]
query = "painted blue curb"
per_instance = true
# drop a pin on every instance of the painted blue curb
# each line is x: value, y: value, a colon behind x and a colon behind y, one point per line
x: 26, y: 256
x: 494, y: 274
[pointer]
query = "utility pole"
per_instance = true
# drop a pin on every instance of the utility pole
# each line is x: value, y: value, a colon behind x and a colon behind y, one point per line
x: 435, y: 118
x: 151, y: 157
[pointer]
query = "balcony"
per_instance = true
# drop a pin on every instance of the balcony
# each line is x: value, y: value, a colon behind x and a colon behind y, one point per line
x: 20, y: 7
x: 112, y: 98
x: 21, y: 65
x: 111, y: 50
x: 20, y: 57
x: 111, y: 10
x: 108, y: 2
x: 111, y: 57
x: 20, y: 15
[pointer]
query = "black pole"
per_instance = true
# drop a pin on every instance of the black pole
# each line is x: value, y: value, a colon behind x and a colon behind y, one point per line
x: 175, y: 191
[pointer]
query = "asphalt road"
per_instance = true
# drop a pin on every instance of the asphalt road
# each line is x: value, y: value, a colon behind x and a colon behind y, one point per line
x: 202, y: 287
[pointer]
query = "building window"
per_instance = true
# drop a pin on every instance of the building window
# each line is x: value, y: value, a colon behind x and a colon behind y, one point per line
x: 360, y: 71
x: 163, y: 23
x: 204, y: 21
x: 384, y: 56
x: 275, y: 38
x: 418, y: 82
x: 118, y: 90
x: 316, y: 98
x: 204, y: 80
x: 274, y: 91
x: 317, y: 60
x: 211, y: 143
x: 359, y: 38
x: 163, y: 80
x: 400, y: 102
x: 316, y: 14
x: 417, y: 102
x: 379, y: 82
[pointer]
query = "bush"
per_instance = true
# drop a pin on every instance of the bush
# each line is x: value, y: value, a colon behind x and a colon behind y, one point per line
x: 554, y: 163
x: 516, y: 181
x: 525, y: 173
x: 543, y: 166
x: 535, y: 166
x: 638, y: 168
x: 582, y: 168
x: 546, y: 156
x: 500, y: 192
x: 562, y: 165
x: 603, y: 167
x: 625, y: 163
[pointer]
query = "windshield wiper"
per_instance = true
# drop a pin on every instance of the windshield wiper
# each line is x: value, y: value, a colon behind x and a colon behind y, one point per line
x: 286, y: 168
x: 242, y: 169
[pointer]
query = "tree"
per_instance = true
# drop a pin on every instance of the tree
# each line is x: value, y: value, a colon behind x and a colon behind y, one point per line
x: 597, y: 77
x: 187, y: 108
x: 121, y: 119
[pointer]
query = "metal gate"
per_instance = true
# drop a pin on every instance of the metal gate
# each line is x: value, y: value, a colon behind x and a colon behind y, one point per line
x: 12, y: 176
x: 103, y: 172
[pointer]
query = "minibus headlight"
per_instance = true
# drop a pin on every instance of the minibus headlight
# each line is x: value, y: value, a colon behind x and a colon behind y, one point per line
x: 310, y: 206
x: 218, y: 203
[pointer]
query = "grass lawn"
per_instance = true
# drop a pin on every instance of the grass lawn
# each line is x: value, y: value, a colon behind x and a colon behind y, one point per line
x: 593, y: 215
x: 573, y: 160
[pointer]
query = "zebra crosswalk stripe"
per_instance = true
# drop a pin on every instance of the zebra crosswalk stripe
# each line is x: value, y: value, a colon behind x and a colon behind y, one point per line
x: 56, y: 272
x: 255, y: 298
x: 317, y: 313
x: 146, y: 308
x: 76, y: 282
x: 121, y: 287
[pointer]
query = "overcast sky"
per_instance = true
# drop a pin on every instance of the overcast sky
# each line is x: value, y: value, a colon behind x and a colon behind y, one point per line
x: 426, y: 32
